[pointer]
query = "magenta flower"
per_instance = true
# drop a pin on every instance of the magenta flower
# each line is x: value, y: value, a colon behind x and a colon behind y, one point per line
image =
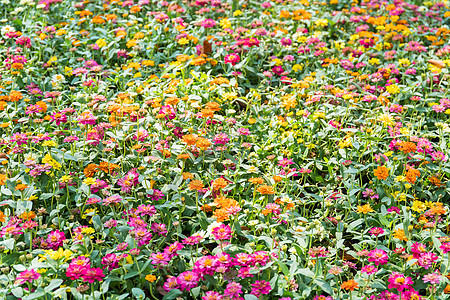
x: 130, y: 180
x: 378, y: 257
x: 445, y: 247
x: 222, y: 232
x: 187, y: 280
x: 160, y: 258
x: 369, y: 269
x: 111, y: 261
x: 211, y: 295
x: 233, y: 290
x: 92, y: 275
x: 417, y: 249
x: 376, y: 231
x: 427, y: 259
x: 27, y: 276
x: 399, y: 282
x: 261, y: 287
x: 232, y: 59
x: 55, y: 239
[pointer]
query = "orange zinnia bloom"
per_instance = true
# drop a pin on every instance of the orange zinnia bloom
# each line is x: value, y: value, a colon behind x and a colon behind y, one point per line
x: 196, y: 185
x: 183, y: 156
x: 381, y: 172
x: 187, y: 175
x: 400, y: 234
x: 219, y: 184
x: 90, y: 170
x: 3, y: 179
x: 203, y: 143
x: 256, y: 180
x: 189, y: 139
x: 2, y: 216
x: 349, y: 285
x: 408, y: 147
x: 411, y: 175
x: 21, y: 187
x: 266, y: 190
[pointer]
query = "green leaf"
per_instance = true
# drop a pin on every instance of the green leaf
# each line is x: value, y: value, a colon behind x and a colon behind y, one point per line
x: 138, y: 293
x: 53, y: 285
x: 172, y: 294
x: 325, y: 286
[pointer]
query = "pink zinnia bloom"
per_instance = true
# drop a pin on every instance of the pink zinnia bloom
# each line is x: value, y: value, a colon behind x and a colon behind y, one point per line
x: 417, y: 249
x: 187, y: 280
x: 27, y: 276
x: 93, y: 274
x: 233, y: 290
x: 211, y: 295
x: 399, y: 282
x: 369, y: 269
x: 260, y: 287
x: 433, y: 278
x: 376, y: 231
x: 55, y: 239
x: 160, y: 258
x: 232, y: 58
x: 378, y: 257
x: 222, y: 232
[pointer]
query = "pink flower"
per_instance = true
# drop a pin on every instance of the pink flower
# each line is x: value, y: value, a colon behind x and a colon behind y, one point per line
x: 445, y: 247
x: 427, y: 259
x: 399, y: 282
x: 222, y: 232
x: 187, y: 280
x: 27, y: 276
x: 160, y: 258
x: 232, y: 58
x: 211, y: 295
x: 376, y: 231
x: 233, y: 290
x: 417, y: 249
x: 433, y: 278
x: 55, y: 239
x: 378, y: 257
x: 261, y: 287
x: 93, y: 274
x: 369, y: 269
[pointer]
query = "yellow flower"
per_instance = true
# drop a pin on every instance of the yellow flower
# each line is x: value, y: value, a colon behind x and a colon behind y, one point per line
x: 251, y: 121
x: 297, y: 68
x: 89, y: 181
x: 386, y: 119
x: 404, y: 62
x: 364, y: 209
x: 374, y: 61
x: 32, y: 198
x: 237, y: 13
x: 49, y: 160
x: 150, y: 278
x: 87, y: 230
x: 49, y: 143
x: 400, y: 234
x: 393, y: 89
x: 225, y: 23
x: 101, y: 43
x: 345, y: 143
x: 65, y: 178
x: 289, y: 102
x: 183, y: 41
x: 418, y: 206
x: 321, y: 22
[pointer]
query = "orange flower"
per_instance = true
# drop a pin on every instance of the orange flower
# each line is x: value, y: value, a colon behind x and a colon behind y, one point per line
x: 187, y: 175
x: 437, y: 210
x: 207, y: 113
x: 42, y: 105
x: 183, y: 156
x: 196, y: 185
x: 206, y: 208
x: 221, y: 215
x: 400, y: 235
x: 189, y: 139
x: 266, y: 190
x: 256, y: 180
x: 28, y: 215
x: 21, y: 187
x: 90, y: 170
x: 203, y: 143
x: 365, y: 209
x: 408, y: 147
x: 435, y: 181
x: 15, y: 96
x: 411, y: 175
x: 381, y: 172
x: 107, y: 167
x: 219, y: 184
x: 214, y: 106
x: 349, y: 285
x: 277, y: 178
x: 3, y: 179
x: 2, y: 216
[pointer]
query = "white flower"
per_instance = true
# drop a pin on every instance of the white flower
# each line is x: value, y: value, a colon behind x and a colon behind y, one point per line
x: 211, y: 227
x: 6, y: 29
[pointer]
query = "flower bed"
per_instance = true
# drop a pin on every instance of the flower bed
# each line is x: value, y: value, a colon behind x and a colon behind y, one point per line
x: 224, y: 149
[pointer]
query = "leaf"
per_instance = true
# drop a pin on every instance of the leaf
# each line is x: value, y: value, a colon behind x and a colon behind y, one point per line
x: 138, y: 293
x: 325, y: 286
x: 53, y: 285
x: 17, y: 292
x: 172, y: 294
x: 306, y: 272
x: 9, y: 243
x: 250, y: 297
x: 284, y: 269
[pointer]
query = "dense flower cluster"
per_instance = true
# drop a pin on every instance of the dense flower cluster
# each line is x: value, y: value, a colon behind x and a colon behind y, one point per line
x: 224, y: 149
